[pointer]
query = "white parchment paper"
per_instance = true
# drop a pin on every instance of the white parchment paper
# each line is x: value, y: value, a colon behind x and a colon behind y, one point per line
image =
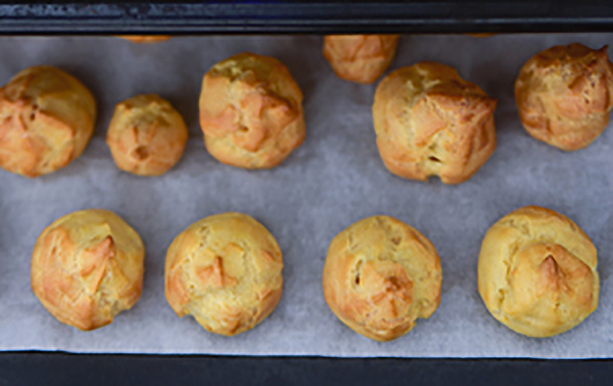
x: 334, y: 179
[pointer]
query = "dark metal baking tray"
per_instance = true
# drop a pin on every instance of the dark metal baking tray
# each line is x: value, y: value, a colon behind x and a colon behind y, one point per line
x: 298, y: 16
x: 303, y: 16
x: 66, y: 369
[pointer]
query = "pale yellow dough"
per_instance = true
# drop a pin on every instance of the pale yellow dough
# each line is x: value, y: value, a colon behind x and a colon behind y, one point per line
x: 380, y: 275
x: 146, y: 135
x: 537, y: 272
x: 225, y: 270
x: 87, y: 267
x: 564, y: 95
x: 251, y: 111
x: 47, y: 117
x: 431, y: 122
x: 360, y: 58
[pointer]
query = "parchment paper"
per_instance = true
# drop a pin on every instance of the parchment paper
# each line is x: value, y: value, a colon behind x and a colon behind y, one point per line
x: 334, y: 179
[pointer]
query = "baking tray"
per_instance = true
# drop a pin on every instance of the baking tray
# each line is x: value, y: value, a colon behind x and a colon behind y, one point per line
x: 303, y: 16
x: 78, y: 370
x: 298, y: 16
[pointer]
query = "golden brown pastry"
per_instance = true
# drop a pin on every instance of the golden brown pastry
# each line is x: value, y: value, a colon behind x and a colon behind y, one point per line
x: 360, y: 58
x: 146, y: 135
x: 46, y: 120
x: 225, y: 270
x: 145, y: 38
x: 87, y: 267
x: 563, y: 95
x: 381, y: 275
x: 251, y: 111
x: 537, y: 272
x: 429, y: 121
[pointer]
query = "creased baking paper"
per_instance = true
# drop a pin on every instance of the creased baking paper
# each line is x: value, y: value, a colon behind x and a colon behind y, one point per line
x: 334, y: 179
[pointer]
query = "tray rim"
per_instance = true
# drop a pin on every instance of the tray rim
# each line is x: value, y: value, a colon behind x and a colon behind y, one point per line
x: 62, y: 368
x: 300, y: 17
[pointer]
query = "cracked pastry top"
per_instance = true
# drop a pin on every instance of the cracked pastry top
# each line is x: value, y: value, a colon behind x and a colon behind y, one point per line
x: 225, y: 271
x: 47, y: 117
x: 146, y: 135
x: 360, y: 58
x: 251, y: 111
x: 87, y: 267
x: 380, y: 275
x: 537, y: 272
x: 429, y: 122
x: 563, y: 95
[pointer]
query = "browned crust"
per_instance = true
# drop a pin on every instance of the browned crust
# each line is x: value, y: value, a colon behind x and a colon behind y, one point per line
x: 537, y: 272
x: 47, y: 117
x: 380, y: 275
x: 429, y: 121
x: 145, y: 38
x: 146, y: 135
x: 563, y: 95
x: 87, y: 267
x: 225, y: 270
x: 360, y: 58
x: 251, y: 111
